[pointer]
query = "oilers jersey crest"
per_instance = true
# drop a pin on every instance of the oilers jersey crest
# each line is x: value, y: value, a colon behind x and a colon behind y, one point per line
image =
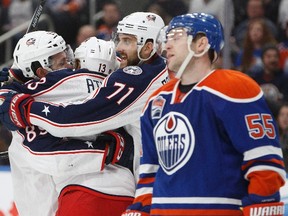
x: 174, y: 139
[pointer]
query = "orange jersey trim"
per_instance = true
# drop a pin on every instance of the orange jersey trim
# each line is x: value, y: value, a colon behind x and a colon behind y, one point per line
x: 144, y: 199
x: 234, y: 84
x: 264, y: 183
x: 146, y: 180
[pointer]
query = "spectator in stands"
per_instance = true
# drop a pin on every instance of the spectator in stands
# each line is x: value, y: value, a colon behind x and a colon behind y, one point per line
x: 283, y: 14
x: 157, y: 8
x: 167, y: 8
x: 271, y: 10
x: 108, y: 23
x: 66, y: 16
x: 283, y: 48
x: 271, y: 78
x: 19, y: 12
x: 217, y: 8
x: 254, y: 9
x: 84, y: 32
x: 282, y: 120
x: 248, y: 59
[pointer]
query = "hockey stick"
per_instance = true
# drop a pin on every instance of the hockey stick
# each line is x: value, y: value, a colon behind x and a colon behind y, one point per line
x: 4, y: 155
x: 36, y: 16
x: 32, y: 27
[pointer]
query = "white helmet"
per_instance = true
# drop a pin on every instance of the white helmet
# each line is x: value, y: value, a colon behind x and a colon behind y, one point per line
x: 97, y: 55
x: 144, y: 25
x: 36, y: 47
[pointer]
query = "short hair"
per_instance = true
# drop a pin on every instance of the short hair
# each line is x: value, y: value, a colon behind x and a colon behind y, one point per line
x: 269, y: 47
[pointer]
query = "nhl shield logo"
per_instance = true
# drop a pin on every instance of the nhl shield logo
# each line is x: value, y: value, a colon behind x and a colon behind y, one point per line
x: 175, y: 141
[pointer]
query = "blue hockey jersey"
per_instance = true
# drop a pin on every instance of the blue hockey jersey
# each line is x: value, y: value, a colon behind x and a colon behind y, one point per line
x: 205, y: 150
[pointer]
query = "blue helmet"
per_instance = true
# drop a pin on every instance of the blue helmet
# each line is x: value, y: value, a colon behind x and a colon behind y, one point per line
x: 201, y: 23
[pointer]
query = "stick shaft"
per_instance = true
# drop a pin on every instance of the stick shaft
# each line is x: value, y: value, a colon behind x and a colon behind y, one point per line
x: 36, y: 16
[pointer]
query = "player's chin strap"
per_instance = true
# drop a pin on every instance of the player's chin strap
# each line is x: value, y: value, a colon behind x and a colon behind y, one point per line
x: 189, y: 56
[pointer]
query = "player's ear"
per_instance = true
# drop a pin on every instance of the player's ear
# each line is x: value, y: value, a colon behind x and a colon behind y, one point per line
x: 77, y: 64
x: 41, y: 72
x: 201, y: 44
x: 147, y: 49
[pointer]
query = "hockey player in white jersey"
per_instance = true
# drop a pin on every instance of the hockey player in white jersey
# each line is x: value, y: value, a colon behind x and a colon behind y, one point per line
x: 117, y: 103
x: 37, y: 157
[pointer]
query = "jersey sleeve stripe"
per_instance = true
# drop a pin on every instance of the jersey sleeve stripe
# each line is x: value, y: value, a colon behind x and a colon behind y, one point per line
x: 262, y: 151
x: 263, y: 168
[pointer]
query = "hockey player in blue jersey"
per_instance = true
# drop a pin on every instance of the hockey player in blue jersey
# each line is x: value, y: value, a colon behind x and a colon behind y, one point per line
x: 118, y: 102
x: 38, y: 158
x: 210, y: 143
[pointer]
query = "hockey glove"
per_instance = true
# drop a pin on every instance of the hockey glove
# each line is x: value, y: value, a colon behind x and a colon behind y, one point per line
x: 115, y: 145
x: 8, y: 75
x: 137, y: 209
x: 14, y: 109
x: 4, y: 75
x: 263, y: 205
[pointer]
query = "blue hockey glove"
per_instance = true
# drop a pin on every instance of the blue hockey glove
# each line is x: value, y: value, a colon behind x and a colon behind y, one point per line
x: 7, y: 75
x: 14, y: 109
x: 4, y: 76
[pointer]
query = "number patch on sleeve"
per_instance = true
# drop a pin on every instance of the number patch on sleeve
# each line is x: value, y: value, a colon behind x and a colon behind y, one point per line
x: 260, y: 125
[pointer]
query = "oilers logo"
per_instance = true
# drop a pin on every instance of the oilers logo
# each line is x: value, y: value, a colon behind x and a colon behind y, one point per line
x: 175, y: 141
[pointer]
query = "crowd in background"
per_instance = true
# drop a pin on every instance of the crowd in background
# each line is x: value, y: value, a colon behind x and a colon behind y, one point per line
x: 258, y: 39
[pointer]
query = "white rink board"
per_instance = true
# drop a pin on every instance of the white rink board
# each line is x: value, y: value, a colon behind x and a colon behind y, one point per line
x: 6, y: 193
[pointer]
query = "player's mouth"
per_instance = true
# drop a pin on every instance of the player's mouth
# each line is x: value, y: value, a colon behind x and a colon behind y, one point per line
x: 169, y: 56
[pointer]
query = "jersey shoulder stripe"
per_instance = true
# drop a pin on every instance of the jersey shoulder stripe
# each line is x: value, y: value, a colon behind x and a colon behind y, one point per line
x: 233, y: 84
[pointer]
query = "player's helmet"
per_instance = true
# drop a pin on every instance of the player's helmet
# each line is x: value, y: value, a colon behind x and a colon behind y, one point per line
x: 37, y: 46
x: 201, y: 23
x: 97, y: 55
x: 144, y: 25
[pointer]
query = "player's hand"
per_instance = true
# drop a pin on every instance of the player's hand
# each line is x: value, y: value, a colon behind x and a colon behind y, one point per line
x: 271, y: 209
x: 14, y: 110
x: 115, y: 145
x: 4, y: 76
x: 263, y: 205
x: 8, y: 75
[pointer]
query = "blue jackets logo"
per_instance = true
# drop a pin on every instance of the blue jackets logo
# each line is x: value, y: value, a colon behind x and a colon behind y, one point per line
x: 175, y: 141
x: 133, y: 70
